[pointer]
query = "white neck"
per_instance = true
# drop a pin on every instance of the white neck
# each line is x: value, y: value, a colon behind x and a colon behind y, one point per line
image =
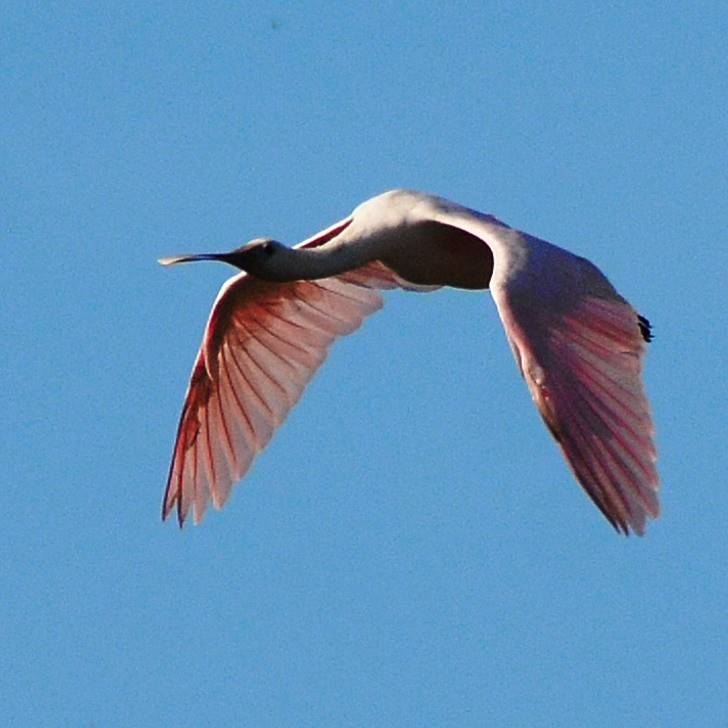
x: 311, y: 263
x: 304, y: 263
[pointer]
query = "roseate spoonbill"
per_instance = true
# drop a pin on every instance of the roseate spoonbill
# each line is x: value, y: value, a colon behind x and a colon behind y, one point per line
x: 577, y: 342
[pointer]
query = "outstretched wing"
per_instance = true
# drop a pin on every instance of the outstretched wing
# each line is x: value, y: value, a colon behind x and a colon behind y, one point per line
x: 262, y: 344
x: 579, y: 346
x: 582, y: 367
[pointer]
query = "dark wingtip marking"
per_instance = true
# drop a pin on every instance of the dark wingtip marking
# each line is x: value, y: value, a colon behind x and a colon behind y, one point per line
x: 645, y: 328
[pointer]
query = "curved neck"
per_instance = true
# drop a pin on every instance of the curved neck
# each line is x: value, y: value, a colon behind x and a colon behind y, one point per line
x: 295, y: 264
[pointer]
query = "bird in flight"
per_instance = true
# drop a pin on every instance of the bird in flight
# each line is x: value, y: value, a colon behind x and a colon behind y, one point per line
x: 577, y: 343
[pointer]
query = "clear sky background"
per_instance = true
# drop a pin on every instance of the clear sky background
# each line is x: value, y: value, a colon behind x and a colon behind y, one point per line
x: 411, y: 549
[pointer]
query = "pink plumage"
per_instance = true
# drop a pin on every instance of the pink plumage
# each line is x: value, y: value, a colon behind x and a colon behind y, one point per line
x: 578, y: 343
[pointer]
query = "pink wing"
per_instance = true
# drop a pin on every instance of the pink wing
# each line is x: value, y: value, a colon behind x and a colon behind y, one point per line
x: 262, y: 344
x: 580, y: 354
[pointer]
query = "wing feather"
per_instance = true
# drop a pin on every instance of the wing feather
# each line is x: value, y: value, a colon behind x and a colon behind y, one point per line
x: 262, y: 344
x: 581, y: 358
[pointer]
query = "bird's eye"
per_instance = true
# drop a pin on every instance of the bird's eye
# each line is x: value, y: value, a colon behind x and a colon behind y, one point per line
x: 268, y: 249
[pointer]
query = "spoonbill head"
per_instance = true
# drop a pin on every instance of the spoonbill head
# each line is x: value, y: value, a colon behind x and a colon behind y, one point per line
x: 577, y: 342
x: 253, y: 257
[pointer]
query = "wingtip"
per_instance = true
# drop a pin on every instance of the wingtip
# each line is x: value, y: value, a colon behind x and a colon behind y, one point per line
x: 645, y: 328
x: 168, y: 507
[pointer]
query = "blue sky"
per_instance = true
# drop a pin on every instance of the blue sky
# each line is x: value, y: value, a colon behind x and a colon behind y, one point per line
x: 411, y: 548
